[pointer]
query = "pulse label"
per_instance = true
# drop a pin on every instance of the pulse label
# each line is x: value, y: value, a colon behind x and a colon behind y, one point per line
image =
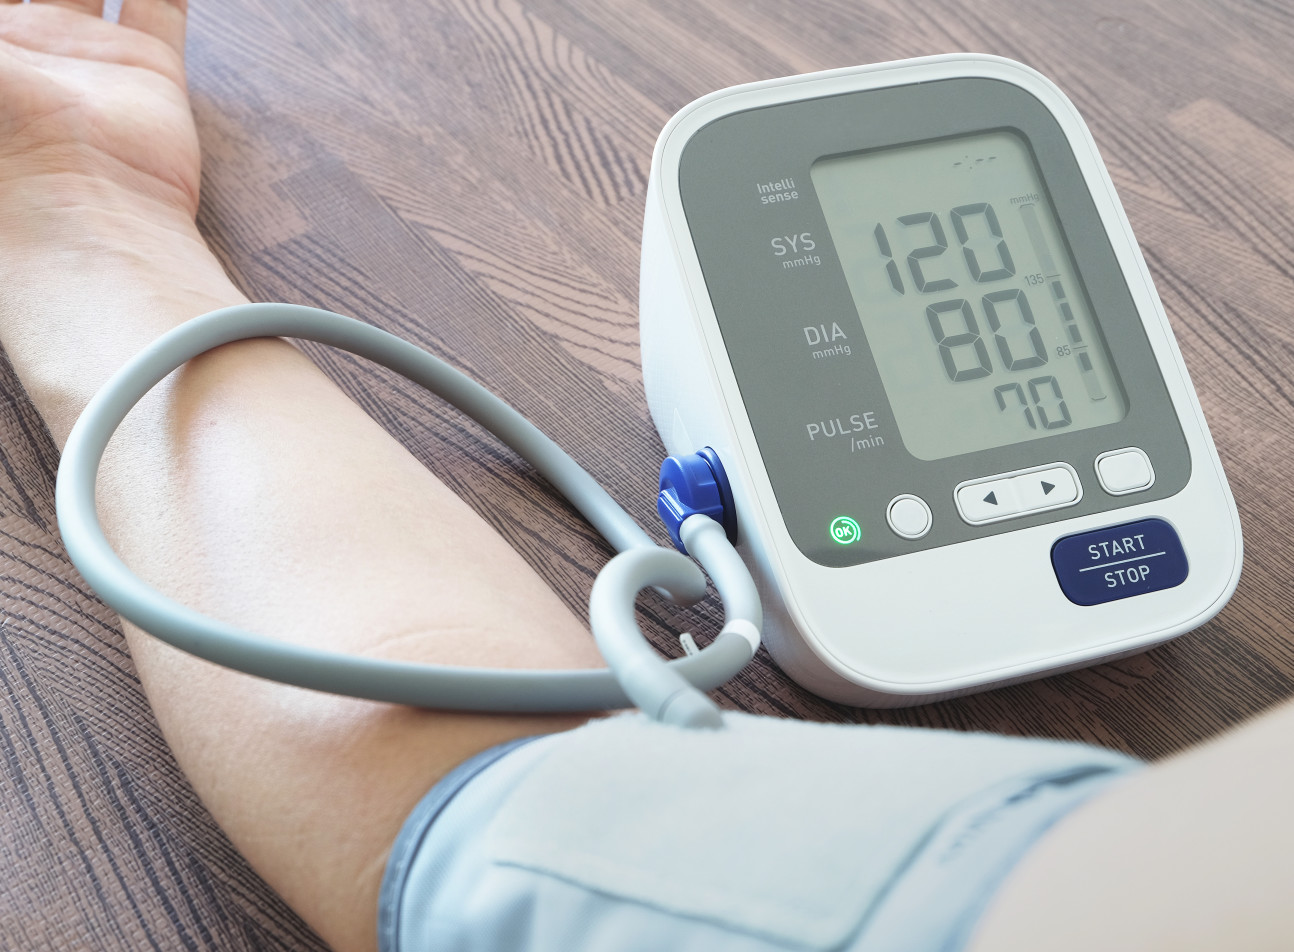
x: 860, y: 430
x: 836, y: 426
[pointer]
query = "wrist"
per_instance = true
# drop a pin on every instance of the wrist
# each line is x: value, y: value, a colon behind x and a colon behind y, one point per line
x: 51, y: 211
x: 94, y: 272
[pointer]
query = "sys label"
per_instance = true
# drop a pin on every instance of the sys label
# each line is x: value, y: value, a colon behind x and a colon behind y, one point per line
x: 1119, y: 562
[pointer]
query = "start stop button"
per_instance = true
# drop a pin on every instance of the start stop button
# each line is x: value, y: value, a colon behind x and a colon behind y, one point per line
x: 1119, y: 562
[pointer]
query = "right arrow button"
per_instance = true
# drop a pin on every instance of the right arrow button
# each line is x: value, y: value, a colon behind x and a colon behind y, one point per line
x: 1046, y: 489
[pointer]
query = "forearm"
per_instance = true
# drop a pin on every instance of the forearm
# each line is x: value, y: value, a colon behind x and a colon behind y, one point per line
x: 1195, y: 853
x: 251, y: 488
x: 93, y: 272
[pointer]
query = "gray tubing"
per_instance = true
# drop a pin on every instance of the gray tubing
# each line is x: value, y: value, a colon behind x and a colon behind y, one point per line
x: 423, y: 685
x: 708, y: 544
x: 650, y: 683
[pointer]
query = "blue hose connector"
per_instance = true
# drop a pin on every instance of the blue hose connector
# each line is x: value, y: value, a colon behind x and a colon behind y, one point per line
x: 691, y: 485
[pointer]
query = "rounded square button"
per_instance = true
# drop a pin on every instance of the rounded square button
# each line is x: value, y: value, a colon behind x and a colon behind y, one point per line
x: 1125, y: 471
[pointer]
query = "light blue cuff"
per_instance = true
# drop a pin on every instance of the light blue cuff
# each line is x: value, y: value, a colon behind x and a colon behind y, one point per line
x: 768, y: 836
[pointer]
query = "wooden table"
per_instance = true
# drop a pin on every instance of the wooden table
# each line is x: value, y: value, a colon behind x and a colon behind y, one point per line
x: 470, y: 174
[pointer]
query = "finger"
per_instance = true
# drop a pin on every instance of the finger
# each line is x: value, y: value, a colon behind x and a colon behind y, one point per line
x: 92, y: 7
x: 45, y: 30
x: 163, y: 19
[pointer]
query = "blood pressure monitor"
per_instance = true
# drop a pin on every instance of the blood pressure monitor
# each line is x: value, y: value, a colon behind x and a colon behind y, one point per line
x: 904, y: 308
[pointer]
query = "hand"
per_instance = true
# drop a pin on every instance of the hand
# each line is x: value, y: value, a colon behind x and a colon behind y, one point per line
x: 86, y: 103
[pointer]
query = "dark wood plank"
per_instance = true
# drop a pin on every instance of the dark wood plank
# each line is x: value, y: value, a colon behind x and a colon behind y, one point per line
x: 470, y: 174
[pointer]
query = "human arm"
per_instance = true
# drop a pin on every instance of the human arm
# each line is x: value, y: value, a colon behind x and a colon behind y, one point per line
x: 248, y: 486
x: 1046, y: 880
x: 1194, y: 854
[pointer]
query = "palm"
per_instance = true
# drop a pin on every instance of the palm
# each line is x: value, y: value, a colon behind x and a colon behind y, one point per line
x: 83, y: 96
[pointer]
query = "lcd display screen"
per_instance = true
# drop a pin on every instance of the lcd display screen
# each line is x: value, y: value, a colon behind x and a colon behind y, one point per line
x: 969, y: 298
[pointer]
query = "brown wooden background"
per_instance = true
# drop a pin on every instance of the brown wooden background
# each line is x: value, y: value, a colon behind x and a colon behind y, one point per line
x: 470, y: 173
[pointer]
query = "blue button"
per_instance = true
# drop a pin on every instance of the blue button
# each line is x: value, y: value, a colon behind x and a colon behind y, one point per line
x: 1119, y: 562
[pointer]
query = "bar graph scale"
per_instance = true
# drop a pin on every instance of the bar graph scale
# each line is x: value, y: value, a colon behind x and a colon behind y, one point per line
x: 1029, y: 214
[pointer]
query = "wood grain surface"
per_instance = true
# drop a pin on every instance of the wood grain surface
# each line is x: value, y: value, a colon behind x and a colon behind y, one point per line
x: 470, y: 174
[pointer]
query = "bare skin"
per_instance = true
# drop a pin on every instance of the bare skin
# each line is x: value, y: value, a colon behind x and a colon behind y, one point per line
x: 1195, y: 854
x: 99, y: 186
x: 204, y: 494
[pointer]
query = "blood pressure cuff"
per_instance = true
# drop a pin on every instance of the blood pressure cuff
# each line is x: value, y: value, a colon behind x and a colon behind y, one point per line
x: 628, y: 835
